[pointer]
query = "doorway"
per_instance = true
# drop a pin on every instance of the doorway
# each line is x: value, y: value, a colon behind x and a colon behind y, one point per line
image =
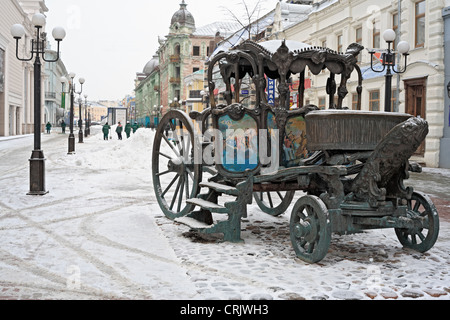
x: 415, y: 94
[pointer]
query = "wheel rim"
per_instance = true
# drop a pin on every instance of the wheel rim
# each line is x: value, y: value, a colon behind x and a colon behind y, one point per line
x: 310, y: 229
x: 422, y: 237
x: 275, y: 202
x: 175, y: 175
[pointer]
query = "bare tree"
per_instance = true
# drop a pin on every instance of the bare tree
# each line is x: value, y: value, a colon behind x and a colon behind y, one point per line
x: 249, y: 17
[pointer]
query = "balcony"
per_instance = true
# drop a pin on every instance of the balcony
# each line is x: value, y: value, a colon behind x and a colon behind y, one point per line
x: 50, y: 95
x: 175, y: 80
x: 175, y: 59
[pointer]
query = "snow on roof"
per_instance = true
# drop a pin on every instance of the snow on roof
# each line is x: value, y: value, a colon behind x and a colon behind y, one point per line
x: 242, y: 33
x: 225, y: 28
x: 274, y: 45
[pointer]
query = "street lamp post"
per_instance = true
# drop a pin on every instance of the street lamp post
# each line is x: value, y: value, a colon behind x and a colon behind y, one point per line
x: 388, y: 62
x: 80, y: 120
x: 72, y: 93
x: 37, y: 161
x: 86, y: 125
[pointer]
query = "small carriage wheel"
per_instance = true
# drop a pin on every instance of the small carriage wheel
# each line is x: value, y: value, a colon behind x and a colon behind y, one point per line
x: 418, y: 238
x: 274, y: 202
x: 176, y: 176
x: 310, y: 229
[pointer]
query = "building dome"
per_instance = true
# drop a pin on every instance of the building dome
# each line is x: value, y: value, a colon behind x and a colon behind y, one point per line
x: 151, y: 66
x: 183, y: 17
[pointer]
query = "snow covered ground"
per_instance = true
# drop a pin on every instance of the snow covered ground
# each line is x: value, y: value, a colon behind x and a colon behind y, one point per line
x: 100, y: 234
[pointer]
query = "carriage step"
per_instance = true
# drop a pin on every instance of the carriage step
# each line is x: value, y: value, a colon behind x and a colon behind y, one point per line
x: 221, y: 188
x: 207, y: 205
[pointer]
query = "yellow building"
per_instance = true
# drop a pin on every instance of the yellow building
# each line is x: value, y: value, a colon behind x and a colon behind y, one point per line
x: 194, y: 85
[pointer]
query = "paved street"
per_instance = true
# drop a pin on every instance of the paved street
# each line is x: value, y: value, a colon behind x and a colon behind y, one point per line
x: 99, y: 234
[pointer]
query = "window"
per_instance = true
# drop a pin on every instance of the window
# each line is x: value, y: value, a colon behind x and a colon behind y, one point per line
x: 376, y: 35
x: 395, y: 28
x: 196, y: 51
x: 177, y: 50
x: 358, y: 40
x: 322, y: 103
x: 420, y: 24
x: 2, y: 70
x: 393, y: 99
x: 195, y: 94
x: 355, y: 102
x: 339, y: 43
x: 324, y: 43
x: 195, y: 70
x: 374, y: 100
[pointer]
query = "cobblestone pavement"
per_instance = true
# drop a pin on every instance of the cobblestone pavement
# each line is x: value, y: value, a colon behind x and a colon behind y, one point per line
x: 109, y: 240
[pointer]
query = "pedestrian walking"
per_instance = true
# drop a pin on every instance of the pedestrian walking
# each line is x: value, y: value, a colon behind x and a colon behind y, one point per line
x: 48, y: 127
x: 105, y: 130
x: 135, y: 127
x: 63, y: 127
x: 128, y: 129
x: 119, y: 130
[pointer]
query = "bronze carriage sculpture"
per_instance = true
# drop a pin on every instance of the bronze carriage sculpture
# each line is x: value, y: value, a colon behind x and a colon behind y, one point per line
x: 351, y: 165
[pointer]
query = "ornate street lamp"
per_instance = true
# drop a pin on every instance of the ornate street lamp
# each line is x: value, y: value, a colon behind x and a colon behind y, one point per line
x: 72, y: 93
x: 37, y: 161
x: 86, y: 125
x: 388, y: 62
x: 80, y: 120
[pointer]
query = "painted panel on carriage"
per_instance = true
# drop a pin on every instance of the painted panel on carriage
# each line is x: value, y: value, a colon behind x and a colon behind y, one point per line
x: 294, y: 142
x: 240, y: 143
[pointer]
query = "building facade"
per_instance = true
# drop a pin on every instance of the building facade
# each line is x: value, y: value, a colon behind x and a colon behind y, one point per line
x: 55, y: 107
x: 180, y: 56
x: 419, y: 91
x: 148, y: 92
x: 444, y: 155
x: 17, y: 77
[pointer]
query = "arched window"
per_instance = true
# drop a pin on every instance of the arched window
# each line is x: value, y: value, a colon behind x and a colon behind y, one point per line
x: 177, y: 50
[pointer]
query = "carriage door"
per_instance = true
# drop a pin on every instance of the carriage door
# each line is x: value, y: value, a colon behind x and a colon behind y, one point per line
x: 415, y: 102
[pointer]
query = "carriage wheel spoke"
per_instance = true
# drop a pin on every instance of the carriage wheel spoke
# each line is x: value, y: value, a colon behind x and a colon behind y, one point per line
x: 175, y: 194
x: 270, y: 199
x: 280, y: 195
x: 163, y: 173
x: 171, y: 146
x: 164, y: 155
x: 186, y: 177
x: 190, y: 173
x: 416, y: 206
x: 170, y: 185
x: 180, y: 199
x: 176, y: 137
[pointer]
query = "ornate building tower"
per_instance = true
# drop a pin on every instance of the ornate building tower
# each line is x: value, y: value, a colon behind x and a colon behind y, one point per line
x: 175, y: 53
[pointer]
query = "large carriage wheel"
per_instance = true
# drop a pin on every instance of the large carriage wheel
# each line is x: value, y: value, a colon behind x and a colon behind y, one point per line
x: 310, y: 229
x: 420, y: 239
x: 176, y: 177
x: 275, y: 202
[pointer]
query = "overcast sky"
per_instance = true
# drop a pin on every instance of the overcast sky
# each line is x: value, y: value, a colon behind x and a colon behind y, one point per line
x: 108, y: 41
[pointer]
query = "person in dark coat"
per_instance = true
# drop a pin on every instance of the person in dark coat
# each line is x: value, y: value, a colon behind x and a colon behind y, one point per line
x: 105, y: 130
x: 48, y: 127
x: 128, y: 129
x: 63, y: 126
x: 135, y: 127
x: 119, y: 130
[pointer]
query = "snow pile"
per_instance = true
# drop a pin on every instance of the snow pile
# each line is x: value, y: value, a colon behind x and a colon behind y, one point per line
x: 133, y: 153
x: 100, y: 234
